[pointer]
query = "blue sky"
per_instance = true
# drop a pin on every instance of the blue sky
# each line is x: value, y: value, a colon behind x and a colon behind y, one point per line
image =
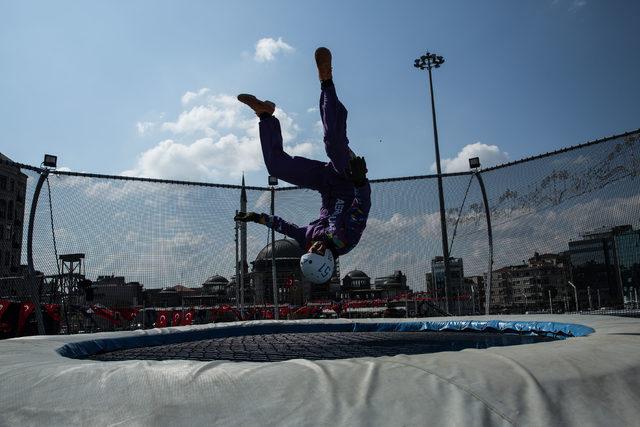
x: 105, y: 85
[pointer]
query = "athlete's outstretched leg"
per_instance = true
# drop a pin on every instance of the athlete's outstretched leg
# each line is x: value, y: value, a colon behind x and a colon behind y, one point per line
x: 295, y: 170
x: 333, y: 114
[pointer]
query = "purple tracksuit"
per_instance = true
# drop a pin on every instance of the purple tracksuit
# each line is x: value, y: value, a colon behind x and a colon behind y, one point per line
x: 345, y: 208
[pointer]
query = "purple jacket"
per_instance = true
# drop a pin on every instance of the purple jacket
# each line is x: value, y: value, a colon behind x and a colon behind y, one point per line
x: 340, y: 225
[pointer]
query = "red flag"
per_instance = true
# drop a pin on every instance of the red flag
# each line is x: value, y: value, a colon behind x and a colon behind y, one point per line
x: 175, y: 318
x: 284, y: 311
x: 53, y: 310
x: 4, y: 306
x: 161, y: 319
x: 105, y: 313
x: 26, y: 308
x: 188, y: 318
x: 127, y: 313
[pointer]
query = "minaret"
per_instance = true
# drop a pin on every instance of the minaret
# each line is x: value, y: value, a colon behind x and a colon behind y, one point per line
x: 243, y: 243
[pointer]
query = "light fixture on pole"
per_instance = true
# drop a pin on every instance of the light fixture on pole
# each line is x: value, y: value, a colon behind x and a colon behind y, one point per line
x: 50, y: 161
x: 474, y: 164
x: 429, y: 61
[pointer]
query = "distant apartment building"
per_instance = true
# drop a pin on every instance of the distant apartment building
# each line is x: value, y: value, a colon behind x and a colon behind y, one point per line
x: 538, y: 284
x: 13, y: 184
x: 114, y: 291
x: 605, y: 266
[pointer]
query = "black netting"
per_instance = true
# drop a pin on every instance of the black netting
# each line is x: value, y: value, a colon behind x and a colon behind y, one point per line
x: 163, y: 234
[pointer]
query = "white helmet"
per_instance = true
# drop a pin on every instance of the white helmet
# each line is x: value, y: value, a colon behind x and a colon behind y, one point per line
x: 317, y: 268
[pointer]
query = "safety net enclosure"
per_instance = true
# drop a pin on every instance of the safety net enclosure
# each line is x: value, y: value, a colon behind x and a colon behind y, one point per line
x: 585, y: 380
x: 117, y: 253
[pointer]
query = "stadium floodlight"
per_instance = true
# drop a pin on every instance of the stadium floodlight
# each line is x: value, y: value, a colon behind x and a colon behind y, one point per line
x: 474, y: 163
x: 273, y: 180
x: 50, y: 161
x: 428, y: 61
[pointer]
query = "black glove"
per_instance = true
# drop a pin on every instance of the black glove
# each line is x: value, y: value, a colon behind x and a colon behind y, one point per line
x: 358, y: 171
x: 247, y: 217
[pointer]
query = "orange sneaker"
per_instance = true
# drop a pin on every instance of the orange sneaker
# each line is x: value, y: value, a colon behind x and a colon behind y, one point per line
x: 323, y: 61
x: 257, y: 105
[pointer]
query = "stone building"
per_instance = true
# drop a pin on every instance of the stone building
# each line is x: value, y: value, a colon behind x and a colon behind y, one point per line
x: 13, y: 185
x: 390, y: 286
x: 356, y: 285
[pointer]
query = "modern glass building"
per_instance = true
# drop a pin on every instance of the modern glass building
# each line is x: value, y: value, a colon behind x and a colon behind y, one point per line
x: 459, y: 291
x: 605, y: 267
x: 628, y: 250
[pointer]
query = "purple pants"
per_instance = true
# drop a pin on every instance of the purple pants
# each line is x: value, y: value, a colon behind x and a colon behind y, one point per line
x: 327, y: 178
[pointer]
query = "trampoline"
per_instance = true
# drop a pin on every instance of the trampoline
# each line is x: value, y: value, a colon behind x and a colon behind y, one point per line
x: 319, y: 346
x: 273, y: 342
x: 332, y: 372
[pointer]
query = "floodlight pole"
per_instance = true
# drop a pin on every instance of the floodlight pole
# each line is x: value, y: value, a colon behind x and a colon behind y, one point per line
x: 276, y: 311
x: 429, y: 61
x: 34, y: 288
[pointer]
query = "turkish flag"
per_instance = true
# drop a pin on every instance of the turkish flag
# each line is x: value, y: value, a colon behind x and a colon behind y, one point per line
x: 162, y: 319
x: 127, y: 313
x: 26, y: 308
x: 105, y: 313
x: 4, y: 306
x: 175, y: 318
x: 284, y: 311
x: 188, y: 318
x: 53, y: 310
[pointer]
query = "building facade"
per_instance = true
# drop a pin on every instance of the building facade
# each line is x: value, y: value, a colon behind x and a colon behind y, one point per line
x: 114, y: 291
x: 628, y: 248
x: 13, y: 185
x: 539, y: 284
x: 460, y: 298
x: 603, y: 264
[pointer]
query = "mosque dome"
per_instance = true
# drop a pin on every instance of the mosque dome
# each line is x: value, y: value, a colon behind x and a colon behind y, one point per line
x: 216, y: 280
x: 357, y: 274
x: 285, y: 249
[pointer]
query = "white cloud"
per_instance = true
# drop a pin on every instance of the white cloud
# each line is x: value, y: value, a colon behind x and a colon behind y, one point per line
x: 198, y: 118
x: 577, y: 4
x: 144, y: 127
x: 192, y: 96
x: 490, y: 155
x: 216, y: 138
x: 312, y: 109
x: 267, y: 49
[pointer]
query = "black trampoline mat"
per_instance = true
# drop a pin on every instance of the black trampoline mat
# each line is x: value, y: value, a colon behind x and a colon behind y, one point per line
x: 319, y: 346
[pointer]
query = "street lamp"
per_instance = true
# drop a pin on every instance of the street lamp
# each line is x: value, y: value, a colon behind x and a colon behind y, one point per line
x: 429, y: 61
x: 575, y: 293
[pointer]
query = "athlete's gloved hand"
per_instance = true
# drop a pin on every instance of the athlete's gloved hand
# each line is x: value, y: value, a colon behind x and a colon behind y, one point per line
x: 247, y: 217
x: 358, y: 171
